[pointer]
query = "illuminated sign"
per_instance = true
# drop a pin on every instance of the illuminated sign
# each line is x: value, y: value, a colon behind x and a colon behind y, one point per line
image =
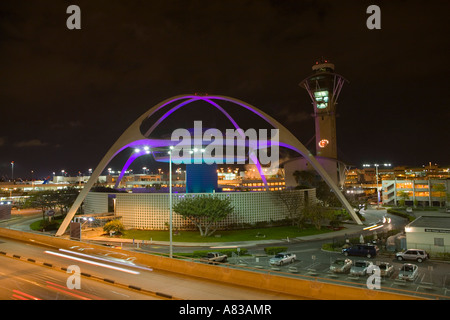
x: 437, y: 230
x: 323, y: 143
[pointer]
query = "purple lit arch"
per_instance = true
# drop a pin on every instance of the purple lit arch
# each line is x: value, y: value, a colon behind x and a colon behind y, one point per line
x: 133, y: 137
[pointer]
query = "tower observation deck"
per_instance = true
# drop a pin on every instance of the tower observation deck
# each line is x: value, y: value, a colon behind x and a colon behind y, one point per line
x: 324, y: 87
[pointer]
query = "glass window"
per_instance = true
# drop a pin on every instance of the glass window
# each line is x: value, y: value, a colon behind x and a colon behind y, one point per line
x: 321, y: 99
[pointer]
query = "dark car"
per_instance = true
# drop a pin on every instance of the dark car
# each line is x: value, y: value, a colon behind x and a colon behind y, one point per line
x: 362, y: 250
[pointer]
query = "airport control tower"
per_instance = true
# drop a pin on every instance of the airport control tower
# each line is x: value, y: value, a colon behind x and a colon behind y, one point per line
x: 324, y: 86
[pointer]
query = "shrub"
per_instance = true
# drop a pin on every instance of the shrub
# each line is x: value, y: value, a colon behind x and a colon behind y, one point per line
x: 274, y: 250
x: 442, y: 255
x: 114, y: 226
x: 401, y: 214
x: 49, y: 225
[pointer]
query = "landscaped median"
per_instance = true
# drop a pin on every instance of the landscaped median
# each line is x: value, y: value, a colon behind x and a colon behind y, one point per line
x: 271, y: 233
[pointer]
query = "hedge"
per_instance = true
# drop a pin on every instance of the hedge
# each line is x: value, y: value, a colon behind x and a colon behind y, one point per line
x: 274, y: 250
x: 228, y: 252
x: 401, y: 214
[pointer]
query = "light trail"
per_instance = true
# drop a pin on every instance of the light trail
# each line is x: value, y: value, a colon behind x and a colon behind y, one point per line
x: 103, y: 259
x: 91, y: 262
x: 25, y: 295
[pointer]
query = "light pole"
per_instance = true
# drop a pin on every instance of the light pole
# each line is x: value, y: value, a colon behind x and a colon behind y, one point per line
x: 378, y: 190
x: 12, y: 170
x: 170, y: 203
x: 376, y: 165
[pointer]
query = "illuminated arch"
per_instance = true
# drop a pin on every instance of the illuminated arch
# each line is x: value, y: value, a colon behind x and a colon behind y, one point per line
x: 172, y: 110
x: 133, y: 137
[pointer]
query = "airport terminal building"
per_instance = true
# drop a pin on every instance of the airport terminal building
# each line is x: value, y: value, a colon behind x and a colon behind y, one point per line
x: 150, y: 211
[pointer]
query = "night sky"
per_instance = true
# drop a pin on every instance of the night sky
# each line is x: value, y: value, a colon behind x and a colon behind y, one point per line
x: 67, y: 95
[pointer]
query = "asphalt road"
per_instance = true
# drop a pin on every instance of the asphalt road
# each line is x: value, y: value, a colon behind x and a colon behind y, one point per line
x: 117, y: 267
x: 21, y: 280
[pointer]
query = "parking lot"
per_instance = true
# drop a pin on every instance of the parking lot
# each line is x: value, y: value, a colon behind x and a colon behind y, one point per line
x: 432, y: 280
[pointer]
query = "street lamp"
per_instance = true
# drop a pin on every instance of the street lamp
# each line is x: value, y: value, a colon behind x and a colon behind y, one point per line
x: 170, y: 202
x: 170, y: 199
x: 376, y: 165
x: 12, y: 170
x: 378, y: 190
x: 85, y: 221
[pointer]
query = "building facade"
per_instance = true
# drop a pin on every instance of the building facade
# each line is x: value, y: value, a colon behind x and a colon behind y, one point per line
x: 150, y: 211
x: 430, y: 233
x: 416, y: 192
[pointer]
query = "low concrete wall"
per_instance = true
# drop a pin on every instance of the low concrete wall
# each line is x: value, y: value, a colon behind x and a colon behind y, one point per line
x: 302, y: 288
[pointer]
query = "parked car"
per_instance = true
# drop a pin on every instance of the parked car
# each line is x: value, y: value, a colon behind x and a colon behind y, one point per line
x: 341, y: 265
x: 282, y: 258
x: 408, y: 272
x: 386, y: 269
x: 359, y: 268
x: 418, y: 255
x: 362, y: 250
x: 216, y: 257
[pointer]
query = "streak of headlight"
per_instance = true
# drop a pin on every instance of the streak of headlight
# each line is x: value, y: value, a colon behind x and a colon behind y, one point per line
x: 224, y: 247
x: 50, y: 284
x: 92, y: 262
x: 371, y: 227
x: 25, y: 294
x: 69, y: 293
x: 103, y: 259
x: 374, y: 227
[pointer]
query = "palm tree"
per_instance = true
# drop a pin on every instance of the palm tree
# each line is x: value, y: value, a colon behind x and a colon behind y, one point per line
x: 403, y: 196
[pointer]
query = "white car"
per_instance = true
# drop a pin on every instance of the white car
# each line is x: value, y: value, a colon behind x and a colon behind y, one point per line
x: 418, y: 255
x: 359, y: 268
x: 341, y: 265
x: 386, y: 269
x: 408, y: 272
x: 283, y: 258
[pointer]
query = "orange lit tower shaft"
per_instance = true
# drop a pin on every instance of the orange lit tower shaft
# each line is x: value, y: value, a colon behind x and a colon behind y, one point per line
x: 324, y: 86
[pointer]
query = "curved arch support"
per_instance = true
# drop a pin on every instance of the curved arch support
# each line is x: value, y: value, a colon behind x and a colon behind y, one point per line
x: 133, y: 137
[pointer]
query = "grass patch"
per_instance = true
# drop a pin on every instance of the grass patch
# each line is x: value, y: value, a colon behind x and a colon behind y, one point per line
x: 46, y: 225
x: 273, y: 233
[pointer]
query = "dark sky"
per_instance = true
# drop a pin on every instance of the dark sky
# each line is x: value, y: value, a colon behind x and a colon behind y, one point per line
x: 67, y: 95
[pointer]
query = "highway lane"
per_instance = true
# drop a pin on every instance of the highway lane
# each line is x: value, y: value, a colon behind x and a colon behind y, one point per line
x: 122, y: 269
x: 21, y: 280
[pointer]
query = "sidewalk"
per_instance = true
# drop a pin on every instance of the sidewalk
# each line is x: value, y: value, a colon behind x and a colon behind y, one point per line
x: 349, y: 229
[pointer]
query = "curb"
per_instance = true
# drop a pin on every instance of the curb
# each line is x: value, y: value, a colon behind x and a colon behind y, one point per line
x: 157, y: 294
